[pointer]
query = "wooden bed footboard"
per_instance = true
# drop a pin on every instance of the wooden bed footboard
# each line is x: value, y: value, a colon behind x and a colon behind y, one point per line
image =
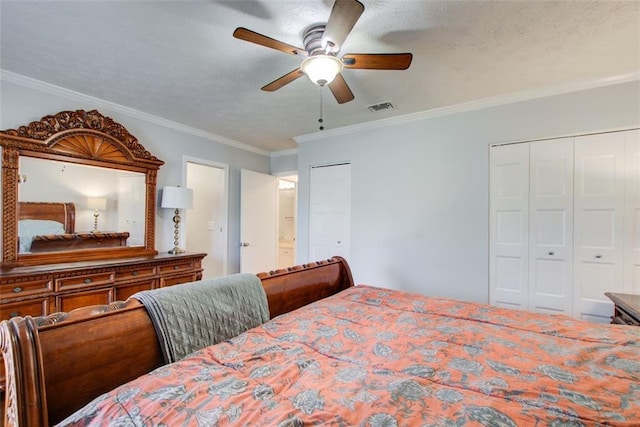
x: 56, y: 364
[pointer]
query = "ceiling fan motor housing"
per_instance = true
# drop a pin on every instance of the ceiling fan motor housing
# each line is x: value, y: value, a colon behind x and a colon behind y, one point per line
x: 312, y: 39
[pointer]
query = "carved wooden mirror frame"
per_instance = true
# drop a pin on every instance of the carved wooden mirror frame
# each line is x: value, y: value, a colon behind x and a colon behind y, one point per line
x: 82, y: 137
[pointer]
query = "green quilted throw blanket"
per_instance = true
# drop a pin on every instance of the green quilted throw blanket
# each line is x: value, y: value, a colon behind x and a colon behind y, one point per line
x: 194, y: 315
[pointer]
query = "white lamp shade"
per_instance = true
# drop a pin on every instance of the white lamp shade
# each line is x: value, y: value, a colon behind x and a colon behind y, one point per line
x: 97, y: 203
x: 177, y: 198
x: 322, y: 69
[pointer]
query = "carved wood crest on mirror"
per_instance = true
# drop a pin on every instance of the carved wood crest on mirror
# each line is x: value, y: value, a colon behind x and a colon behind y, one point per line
x: 76, y: 186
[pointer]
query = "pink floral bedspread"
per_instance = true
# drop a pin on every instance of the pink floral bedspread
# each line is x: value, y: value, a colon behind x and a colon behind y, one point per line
x: 375, y: 357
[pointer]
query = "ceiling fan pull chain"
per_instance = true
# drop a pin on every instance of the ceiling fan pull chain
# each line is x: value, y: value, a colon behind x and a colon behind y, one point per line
x: 320, y: 120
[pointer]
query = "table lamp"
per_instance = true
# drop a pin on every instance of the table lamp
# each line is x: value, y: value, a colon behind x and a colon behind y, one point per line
x: 97, y: 204
x: 176, y: 198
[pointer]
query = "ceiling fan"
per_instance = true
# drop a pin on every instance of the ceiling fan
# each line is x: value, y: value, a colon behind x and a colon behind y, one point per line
x: 322, y: 42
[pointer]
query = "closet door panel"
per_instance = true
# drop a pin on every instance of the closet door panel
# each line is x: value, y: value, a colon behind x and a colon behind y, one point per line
x: 509, y: 219
x: 599, y: 206
x: 551, y: 226
x: 632, y: 213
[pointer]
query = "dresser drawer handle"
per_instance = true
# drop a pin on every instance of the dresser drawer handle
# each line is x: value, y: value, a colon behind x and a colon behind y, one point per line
x: 87, y: 280
x: 175, y: 267
x: 17, y: 289
x: 14, y: 314
x: 134, y: 273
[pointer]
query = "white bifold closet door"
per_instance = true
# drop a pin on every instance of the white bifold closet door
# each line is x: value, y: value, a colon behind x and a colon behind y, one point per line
x: 599, y: 202
x: 632, y: 214
x: 509, y: 218
x: 551, y: 226
x: 565, y: 223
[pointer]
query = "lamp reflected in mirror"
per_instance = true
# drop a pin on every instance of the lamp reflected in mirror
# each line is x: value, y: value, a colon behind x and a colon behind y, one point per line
x: 176, y: 198
x: 97, y: 204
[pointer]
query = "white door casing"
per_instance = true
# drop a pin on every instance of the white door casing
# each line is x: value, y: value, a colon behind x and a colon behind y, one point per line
x: 509, y: 225
x: 330, y: 211
x: 258, y: 222
x: 551, y: 226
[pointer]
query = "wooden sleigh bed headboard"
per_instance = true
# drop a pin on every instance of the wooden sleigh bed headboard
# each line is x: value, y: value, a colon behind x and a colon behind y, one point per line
x: 64, y: 213
x: 58, y: 363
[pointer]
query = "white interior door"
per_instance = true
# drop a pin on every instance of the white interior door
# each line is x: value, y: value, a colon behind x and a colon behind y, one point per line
x: 509, y: 217
x: 632, y: 213
x: 599, y: 211
x: 330, y: 211
x: 551, y: 226
x: 258, y: 222
x: 206, y: 222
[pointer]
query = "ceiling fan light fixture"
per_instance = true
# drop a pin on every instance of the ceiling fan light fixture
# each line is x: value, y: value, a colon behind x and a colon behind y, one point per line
x: 322, y: 69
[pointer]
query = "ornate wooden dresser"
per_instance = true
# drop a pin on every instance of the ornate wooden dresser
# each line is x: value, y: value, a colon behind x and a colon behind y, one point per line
x: 45, y: 289
x: 51, y: 169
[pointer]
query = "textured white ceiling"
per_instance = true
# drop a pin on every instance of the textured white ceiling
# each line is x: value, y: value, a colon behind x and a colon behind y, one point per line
x: 179, y: 61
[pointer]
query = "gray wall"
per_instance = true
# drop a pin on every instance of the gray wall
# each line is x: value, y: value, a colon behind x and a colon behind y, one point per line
x: 420, y: 188
x: 285, y: 162
x: 21, y: 104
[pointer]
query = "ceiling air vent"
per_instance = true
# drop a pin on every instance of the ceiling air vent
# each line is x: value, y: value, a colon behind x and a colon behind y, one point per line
x: 380, y: 107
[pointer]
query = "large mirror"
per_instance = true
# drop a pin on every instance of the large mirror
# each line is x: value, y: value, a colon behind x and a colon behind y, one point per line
x: 108, y: 206
x: 76, y: 186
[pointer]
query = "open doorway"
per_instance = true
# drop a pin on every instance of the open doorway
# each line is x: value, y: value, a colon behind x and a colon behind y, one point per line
x: 206, y: 224
x: 287, y: 206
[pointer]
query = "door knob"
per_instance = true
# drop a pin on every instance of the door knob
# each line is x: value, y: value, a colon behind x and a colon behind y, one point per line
x: 244, y: 244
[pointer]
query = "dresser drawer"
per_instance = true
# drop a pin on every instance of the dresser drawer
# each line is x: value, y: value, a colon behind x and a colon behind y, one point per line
x: 85, y: 280
x: 33, y: 287
x: 177, y: 280
x: 176, y: 268
x: 68, y: 302
x: 33, y: 307
x: 125, y: 291
x: 135, y: 273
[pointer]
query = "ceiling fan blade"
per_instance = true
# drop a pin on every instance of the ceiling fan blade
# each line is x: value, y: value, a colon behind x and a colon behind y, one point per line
x: 377, y: 61
x: 344, y: 15
x: 286, y: 79
x: 257, y: 38
x: 340, y: 90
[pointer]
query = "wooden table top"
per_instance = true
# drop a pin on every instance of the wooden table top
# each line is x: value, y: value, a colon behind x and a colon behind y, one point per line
x: 628, y: 301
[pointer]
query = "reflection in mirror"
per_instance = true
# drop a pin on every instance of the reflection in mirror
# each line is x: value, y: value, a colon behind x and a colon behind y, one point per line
x: 73, y: 206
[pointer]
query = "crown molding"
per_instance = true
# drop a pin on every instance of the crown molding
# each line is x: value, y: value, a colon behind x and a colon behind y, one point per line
x: 471, y: 106
x: 31, y: 83
x: 282, y: 153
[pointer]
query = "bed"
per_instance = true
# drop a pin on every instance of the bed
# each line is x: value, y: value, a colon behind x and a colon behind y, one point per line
x: 50, y: 227
x: 36, y: 220
x: 332, y: 354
